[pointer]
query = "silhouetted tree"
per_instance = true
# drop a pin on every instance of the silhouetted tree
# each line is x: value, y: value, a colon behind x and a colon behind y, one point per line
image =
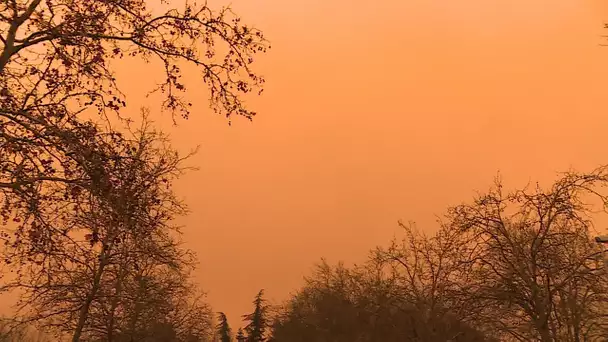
x: 155, y: 302
x: 534, y: 260
x: 258, y: 319
x: 427, y: 270
x: 240, y: 336
x: 11, y: 331
x: 223, y: 328
x: 520, y: 265
x: 58, y: 53
x: 79, y: 268
x: 56, y: 70
x: 363, y: 303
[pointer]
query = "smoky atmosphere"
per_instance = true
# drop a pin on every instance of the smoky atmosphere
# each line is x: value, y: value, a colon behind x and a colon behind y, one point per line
x: 290, y: 171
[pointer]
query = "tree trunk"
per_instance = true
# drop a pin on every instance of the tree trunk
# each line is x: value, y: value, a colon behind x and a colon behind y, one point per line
x: 137, y: 310
x: 84, y: 311
x: 114, y: 304
x: 542, y: 326
x: 9, y: 42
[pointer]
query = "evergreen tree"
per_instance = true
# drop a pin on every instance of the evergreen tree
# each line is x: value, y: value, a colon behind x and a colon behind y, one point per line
x: 258, y: 320
x: 223, y: 329
x: 240, y: 336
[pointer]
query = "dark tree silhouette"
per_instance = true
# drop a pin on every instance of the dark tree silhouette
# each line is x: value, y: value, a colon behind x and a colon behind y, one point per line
x: 534, y: 260
x: 56, y: 53
x: 74, y: 190
x: 84, y: 268
x: 56, y: 71
x: 240, y: 336
x: 519, y: 265
x: 223, y: 330
x: 363, y: 303
x: 258, y: 320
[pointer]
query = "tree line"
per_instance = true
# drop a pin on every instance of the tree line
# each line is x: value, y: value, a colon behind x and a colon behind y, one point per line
x: 508, y: 266
x: 92, y: 251
x: 516, y: 265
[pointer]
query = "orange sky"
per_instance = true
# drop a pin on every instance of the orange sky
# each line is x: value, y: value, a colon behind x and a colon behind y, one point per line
x: 379, y: 111
x: 376, y: 111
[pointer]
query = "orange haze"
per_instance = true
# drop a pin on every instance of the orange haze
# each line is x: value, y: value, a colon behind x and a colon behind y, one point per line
x: 377, y: 111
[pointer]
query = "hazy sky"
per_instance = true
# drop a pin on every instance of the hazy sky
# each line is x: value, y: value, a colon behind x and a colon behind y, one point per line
x: 377, y: 111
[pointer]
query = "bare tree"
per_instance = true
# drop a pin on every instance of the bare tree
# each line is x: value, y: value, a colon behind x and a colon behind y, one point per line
x: 12, y: 332
x: 535, y: 264
x: 363, y: 303
x: 146, y: 294
x: 58, y: 52
x: 430, y: 274
x: 56, y: 67
x: 70, y: 267
x: 520, y: 266
x: 74, y: 190
x: 156, y: 302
